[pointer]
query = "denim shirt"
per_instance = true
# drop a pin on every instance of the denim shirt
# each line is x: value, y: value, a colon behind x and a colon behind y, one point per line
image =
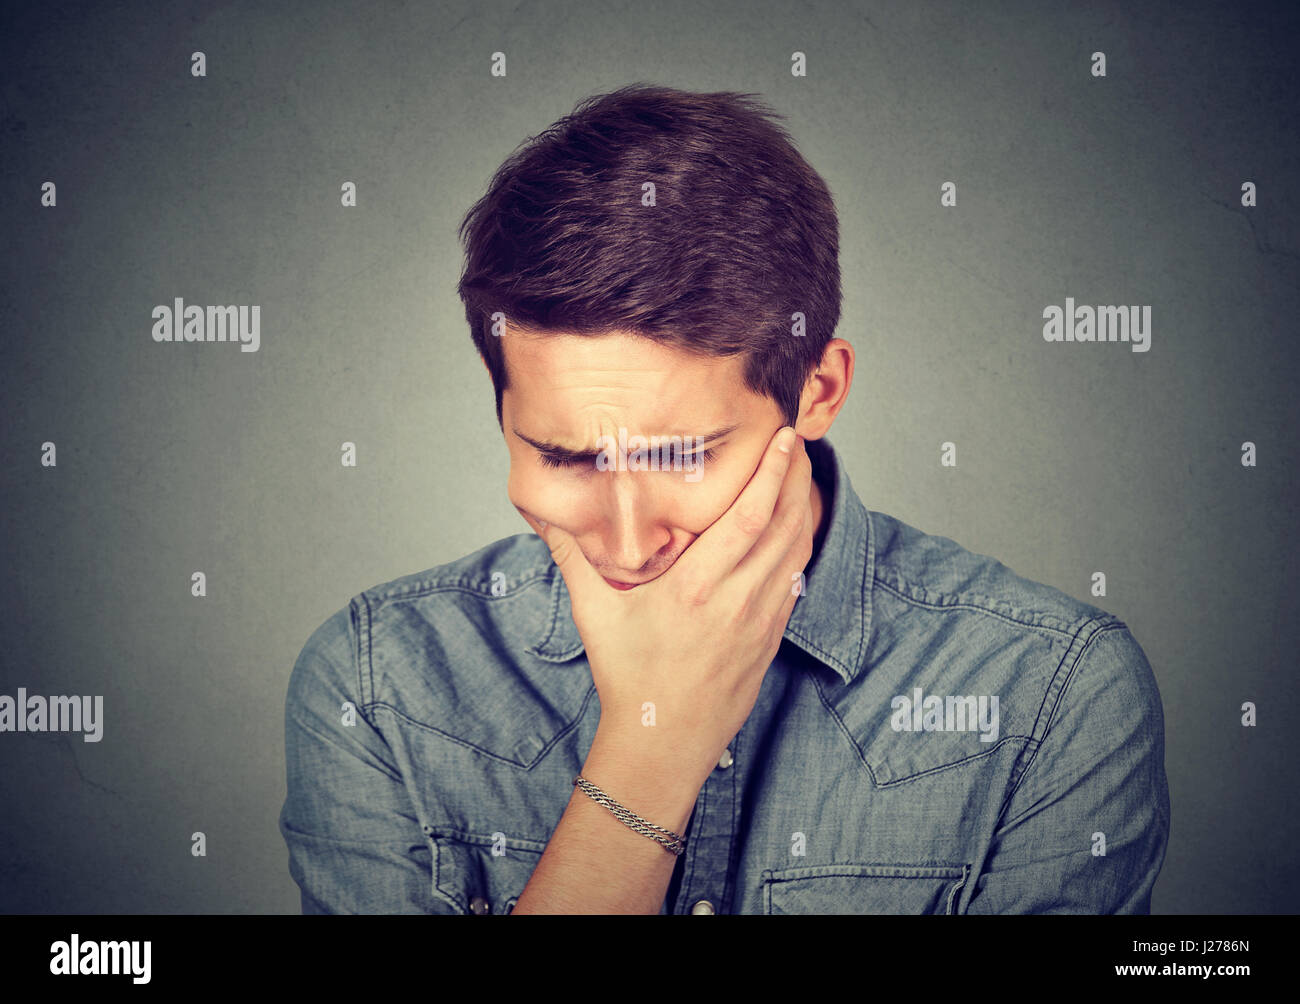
x: 935, y: 735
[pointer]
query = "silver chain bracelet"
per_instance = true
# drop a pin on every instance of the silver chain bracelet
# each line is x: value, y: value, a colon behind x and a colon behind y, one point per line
x: 670, y: 840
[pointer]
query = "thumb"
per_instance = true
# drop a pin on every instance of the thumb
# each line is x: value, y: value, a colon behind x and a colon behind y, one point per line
x: 579, y: 576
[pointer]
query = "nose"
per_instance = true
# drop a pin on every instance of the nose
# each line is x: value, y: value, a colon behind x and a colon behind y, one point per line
x: 633, y: 529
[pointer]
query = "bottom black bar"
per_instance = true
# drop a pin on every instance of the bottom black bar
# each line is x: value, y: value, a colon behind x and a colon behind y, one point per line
x: 335, y: 953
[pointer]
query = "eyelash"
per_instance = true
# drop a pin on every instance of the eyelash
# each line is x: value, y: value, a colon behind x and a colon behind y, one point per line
x: 701, y: 458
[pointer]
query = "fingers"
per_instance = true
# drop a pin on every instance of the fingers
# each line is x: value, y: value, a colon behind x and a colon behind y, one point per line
x: 716, y: 552
x: 777, y: 592
x: 792, y: 513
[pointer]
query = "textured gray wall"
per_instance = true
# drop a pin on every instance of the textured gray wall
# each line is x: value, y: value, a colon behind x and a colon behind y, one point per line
x: 225, y: 189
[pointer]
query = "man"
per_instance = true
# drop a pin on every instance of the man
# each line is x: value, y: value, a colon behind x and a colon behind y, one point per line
x: 711, y: 680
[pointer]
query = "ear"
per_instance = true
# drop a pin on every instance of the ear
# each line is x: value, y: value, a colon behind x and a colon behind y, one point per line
x: 826, y: 390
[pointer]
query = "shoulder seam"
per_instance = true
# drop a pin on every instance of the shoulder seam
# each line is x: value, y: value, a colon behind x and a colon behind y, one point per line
x: 1101, y: 626
x: 988, y: 605
x: 470, y: 585
x: 360, y: 609
x: 888, y: 577
x: 474, y: 577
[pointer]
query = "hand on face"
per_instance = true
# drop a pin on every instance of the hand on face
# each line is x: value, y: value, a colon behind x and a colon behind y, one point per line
x: 696, y: 642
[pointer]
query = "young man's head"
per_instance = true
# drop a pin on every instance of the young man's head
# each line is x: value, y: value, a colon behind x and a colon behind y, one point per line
x: 655, y: 264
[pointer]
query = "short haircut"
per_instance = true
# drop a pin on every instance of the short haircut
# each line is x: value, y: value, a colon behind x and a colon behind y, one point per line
x: 742, y: 236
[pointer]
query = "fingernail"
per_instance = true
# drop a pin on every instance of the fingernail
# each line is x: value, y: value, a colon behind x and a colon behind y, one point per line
x: 785, y: 439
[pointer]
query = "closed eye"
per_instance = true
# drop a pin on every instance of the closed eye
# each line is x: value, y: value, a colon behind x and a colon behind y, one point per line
x: 685, y: 461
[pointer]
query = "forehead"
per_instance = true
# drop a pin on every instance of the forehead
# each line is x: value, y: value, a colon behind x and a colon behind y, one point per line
x: 563, y: 380
x: 618, y: 368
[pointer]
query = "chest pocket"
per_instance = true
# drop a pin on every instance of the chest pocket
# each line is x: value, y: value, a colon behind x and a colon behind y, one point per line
x: 864, y: 888
x: 481, y: 873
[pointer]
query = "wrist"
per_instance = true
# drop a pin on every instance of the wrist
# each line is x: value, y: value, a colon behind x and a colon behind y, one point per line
x: 654, y: 783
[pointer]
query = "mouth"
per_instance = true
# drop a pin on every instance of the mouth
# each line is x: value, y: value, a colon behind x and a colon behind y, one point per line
x: 621, y: 585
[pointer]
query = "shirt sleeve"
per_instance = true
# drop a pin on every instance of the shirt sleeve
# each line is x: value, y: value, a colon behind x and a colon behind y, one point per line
x: 1095, y: 783
x: 355, y: 844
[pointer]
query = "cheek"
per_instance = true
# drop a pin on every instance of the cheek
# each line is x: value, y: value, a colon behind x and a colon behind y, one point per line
x: 699, y: 505
x: 525, y: 489
x: 543, y: 495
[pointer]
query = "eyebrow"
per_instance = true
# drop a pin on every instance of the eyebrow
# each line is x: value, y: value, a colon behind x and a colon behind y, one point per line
x: 583, y: 456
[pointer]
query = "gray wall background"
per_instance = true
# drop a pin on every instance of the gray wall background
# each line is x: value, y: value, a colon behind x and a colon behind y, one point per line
x: 171, y: 458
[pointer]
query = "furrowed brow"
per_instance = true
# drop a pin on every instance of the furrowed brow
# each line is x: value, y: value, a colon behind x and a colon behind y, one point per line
x: 560, y: 452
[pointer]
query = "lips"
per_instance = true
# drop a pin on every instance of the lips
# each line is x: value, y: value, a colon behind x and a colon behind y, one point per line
x: 621, y: 585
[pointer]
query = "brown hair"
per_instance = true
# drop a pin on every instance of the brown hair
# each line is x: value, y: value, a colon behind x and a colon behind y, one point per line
x: 743, y: 235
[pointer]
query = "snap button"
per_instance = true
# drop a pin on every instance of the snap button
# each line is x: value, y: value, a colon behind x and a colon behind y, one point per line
x: 703, y: 906
x: 478, y: 905
x: 725, y: 760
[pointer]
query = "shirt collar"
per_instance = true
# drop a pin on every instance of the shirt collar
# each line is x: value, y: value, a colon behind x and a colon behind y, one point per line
x: 831, y: 621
